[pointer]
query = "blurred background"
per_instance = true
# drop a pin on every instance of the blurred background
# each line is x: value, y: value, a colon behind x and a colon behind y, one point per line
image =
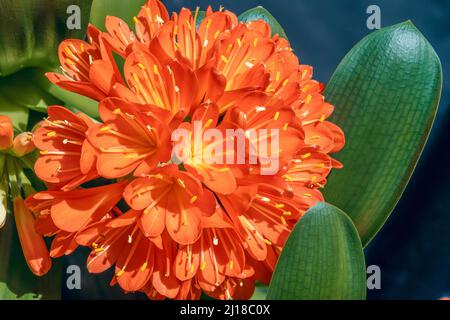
x: 413, y: 248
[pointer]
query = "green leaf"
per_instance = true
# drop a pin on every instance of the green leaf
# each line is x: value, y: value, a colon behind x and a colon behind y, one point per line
x: 260, y: 292
x: 30, y: 31
x: 18, y: 114
x: 322, y: 259
x: 386, y: 92
x: 20, y: 90
x: 261, y: 13
x: 125, y: 10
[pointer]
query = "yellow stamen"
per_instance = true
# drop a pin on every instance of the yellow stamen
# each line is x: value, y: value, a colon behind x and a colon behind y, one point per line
x: 308, y: 99
x: 306, y: 155
x: 121, y: 272
x: 181, y: 183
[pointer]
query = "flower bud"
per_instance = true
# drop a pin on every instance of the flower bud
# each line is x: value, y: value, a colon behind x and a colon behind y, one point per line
x: 23, y: 144
x: 33, y: 245
x: 6, y: 133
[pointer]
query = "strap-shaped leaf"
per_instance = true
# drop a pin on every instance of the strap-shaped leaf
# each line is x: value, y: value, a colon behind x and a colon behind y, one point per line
x: 125, y: 10
x: 386, y: 91
x: 19, y: 90
x: 322, y: 259
x: 262, y: 13
x: 31, y: 30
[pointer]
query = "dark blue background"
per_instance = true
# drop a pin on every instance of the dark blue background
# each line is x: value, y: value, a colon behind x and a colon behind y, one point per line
x: 413, y: 249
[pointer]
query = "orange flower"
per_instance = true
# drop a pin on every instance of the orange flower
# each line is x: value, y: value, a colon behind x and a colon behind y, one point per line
x: 210, y: 214
x: 67, y: 158
x: 130, y: 140
x: 6, y: 133
x: 33, y: 245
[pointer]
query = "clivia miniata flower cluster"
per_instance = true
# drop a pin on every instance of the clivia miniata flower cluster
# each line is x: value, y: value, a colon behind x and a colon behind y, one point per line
x: 175, y: 230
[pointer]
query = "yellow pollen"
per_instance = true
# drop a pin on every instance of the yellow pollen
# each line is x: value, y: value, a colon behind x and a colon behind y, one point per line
x: 322, y: 118
x: 175, y: 30
x: 313, y: 179
x: 144, y: 266
x: 267, y: 242
x: 51, y: 134
x: 117, y: 111
x: 181, y: 183
x: 155, y: 69
x: 279, y: 205
x: 216, y: 35
x: 283, y: 220
x: 306, y: 155
x: 277, y: 76
x: 308, y: 98
x: 193, y: 199
x: 105, y: 128
x: 98, y: 250
x: 94, y: 245
x: 287, y: 213
x: 231, y: 264
x: 136, y: 20
x: 255, y: 42
x: 203, y: 265
x: 141, y: 66
x: 285, y: 82
x: 239, y: 42
x: 208, y: 23
x: 121, y: 272
x: 136, y: 78
x: 285, y: 126
x: 131, y: 156
x: 304, y: 74
x: 224, y: 59
x: 44, y: 152
x: 192, y: 268
x: 208, y: 123
x: 277, y: 115
x: 70, y: 62
x: 82, y: 47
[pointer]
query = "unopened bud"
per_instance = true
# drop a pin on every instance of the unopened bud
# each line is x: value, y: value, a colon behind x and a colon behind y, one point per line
x: 6, y: 133
x: 23, y: 144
